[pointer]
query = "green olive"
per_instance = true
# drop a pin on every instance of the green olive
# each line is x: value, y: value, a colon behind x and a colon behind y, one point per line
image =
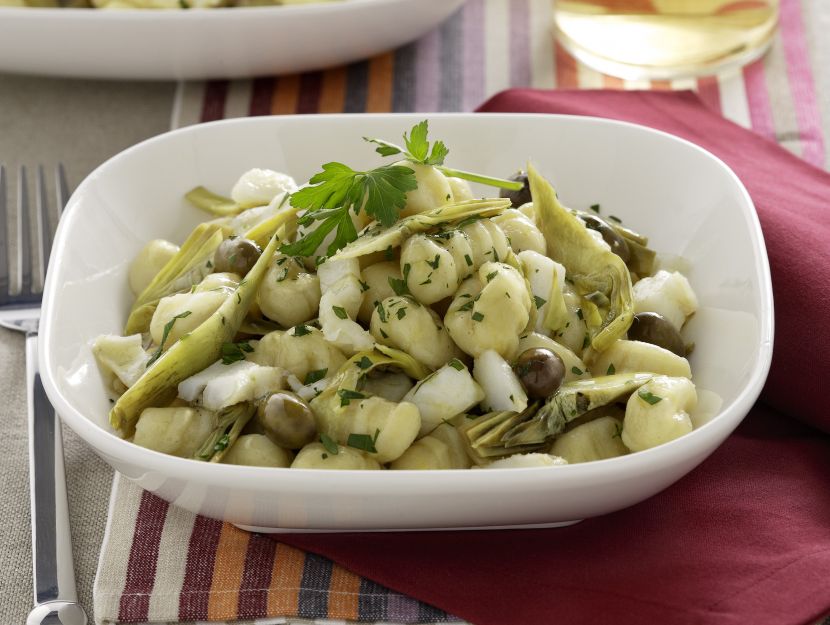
x: 609, y: 235
x: 286, y: 420
x: 522, y: 196
x: 651, y: 327
x: 540, y: 371
x: 236, y: 255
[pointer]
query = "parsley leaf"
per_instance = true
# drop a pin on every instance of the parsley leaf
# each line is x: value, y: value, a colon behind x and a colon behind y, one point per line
x: 364, y: 363
x: 329, y: 444
x: 417, y: 146
x: 234, y: 352
x: 301, y: 330
x: 364, y: 442
x: 539, y: 301
x: 315, y: 376
x: 347, y: 395
x: 167, y: 328
x: 649, y: 397
x: 456, y: 364
x: 611, y: 369
x: 477, y: 316
x: 340, y: 312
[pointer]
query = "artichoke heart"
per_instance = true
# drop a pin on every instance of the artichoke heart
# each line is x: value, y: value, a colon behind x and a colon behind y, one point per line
x: 192, y: 353
x: 570, y: 402
x: 599, y: 276
x: 379, y: 239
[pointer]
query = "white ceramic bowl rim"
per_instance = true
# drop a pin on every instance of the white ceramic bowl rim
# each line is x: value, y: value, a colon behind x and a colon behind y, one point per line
x: 228, y: 475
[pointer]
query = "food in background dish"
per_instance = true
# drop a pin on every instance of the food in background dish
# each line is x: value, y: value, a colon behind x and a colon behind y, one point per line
x: 155, y: 4
x: 388, y: 319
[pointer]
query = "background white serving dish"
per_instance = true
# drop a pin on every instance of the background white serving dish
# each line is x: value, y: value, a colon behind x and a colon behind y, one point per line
x: 211, y: 43
x: 688, y: 201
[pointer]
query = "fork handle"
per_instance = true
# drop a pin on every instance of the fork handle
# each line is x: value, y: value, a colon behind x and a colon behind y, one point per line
x: 53, y: 573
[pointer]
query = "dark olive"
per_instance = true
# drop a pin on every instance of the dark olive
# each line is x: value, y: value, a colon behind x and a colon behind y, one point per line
x: 236, y: 255
x: 541, y: 372
x: 651, y: 327
x: 286, y: 420
x: 609, y: 235
x: 522, y: 196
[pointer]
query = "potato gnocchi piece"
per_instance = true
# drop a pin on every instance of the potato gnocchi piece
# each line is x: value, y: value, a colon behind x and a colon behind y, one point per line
x: 524, y: 461
x: 190, y: 309
x: 148, y: 262
x: 316, y: 456
x: 521, y: 232
x: 176, y: 431
x: 489, y: 311
x: 376, y: 286
x: 487, y: 242
x: 289, y: 294
x: 625, y: 356
x: 595, y: 440
x: 257, y: 187
x: 395, y: 424
x: 454, y: 440
x: 450, y: 391
x: 257, y: 450
x: 300, y: 350
x: 443, y: 449
x: 666, y: 293
x: 460, y: 188
x: 433, y: 189
x: 428, y: 268
x: 404, y: 324
x: 658, y: 413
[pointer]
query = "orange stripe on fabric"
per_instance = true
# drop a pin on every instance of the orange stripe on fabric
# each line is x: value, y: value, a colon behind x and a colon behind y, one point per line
x: 286, y: 90
x: 227, y: 574
x: 661, y: 85
x: 379, y: 91
x: 612, y: 82
x: 286, y: 577
x: 566, y: 74
x: 334, y: 91
x: 344, y: 589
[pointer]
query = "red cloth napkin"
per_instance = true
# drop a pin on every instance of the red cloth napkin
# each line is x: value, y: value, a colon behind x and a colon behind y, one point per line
x: 745, y: 538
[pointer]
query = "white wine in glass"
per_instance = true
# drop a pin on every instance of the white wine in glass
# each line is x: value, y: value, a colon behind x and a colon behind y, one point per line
x: 665, y: 39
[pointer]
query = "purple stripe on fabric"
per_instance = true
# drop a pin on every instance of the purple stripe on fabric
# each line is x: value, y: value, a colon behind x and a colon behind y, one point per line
x: 256, y: 577
x: 213, y: 105
x: 452, y: 73
x: 520, y: 60
x: 473, y: 55
x: 402, y: 609
x: 760, y: 110
x: 311, y: 86
x: 198, y: 576
x: 428, y: 72
x: 261, y: 93
x: 802, y: 86
x: 144, y: 551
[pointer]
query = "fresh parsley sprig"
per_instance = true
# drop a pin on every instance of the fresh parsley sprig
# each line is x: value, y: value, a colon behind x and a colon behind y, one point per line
x: 339, y: 189
x: 418, y: 150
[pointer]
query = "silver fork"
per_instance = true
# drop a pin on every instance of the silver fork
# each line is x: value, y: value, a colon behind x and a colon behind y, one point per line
x: 56, y: 599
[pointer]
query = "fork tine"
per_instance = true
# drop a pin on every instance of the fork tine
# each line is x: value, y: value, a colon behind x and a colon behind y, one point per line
x: 24, y: 253
x: 4, y: 236
x: 44, y: 233
x: 61, y: 187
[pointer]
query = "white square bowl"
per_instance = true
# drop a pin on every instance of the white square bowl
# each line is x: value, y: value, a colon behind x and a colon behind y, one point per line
x: 687, y: 201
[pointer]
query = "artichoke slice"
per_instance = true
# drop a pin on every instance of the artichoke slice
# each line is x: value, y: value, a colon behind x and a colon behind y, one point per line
x: 570, y: 402
x: 596, y: 272
x: 482, y: 435
x: 191, y: 353
x: 212, y: 203
x: 189, y: 265
x: 231, y: 421
x: 379, y: 239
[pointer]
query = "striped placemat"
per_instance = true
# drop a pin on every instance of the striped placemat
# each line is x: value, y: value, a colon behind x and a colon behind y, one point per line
x: 491, y: 45
x: 161, y: 564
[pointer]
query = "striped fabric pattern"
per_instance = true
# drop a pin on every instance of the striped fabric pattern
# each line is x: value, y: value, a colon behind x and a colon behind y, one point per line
x: 491, y: 45
x: 161, y: 564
